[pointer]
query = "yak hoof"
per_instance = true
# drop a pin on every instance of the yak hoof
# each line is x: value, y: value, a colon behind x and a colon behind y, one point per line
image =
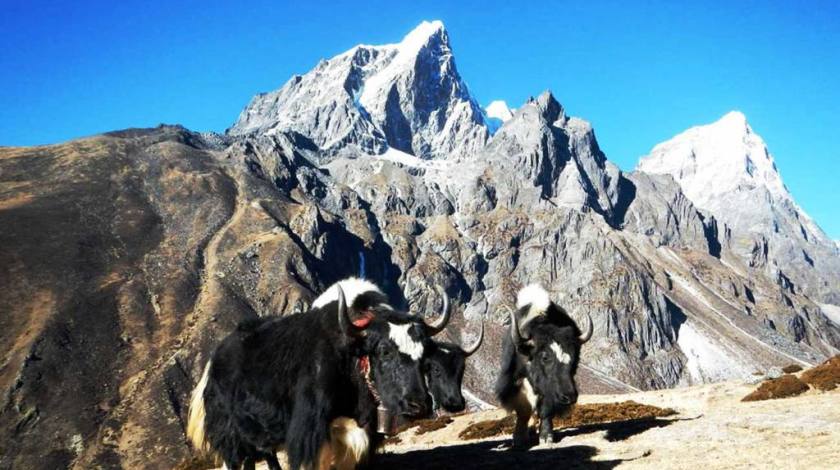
x: 547, y: 438
x: 521, y: 441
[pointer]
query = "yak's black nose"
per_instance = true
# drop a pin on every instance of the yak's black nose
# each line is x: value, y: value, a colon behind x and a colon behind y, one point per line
x: 455, y: 405
x: 567, y: 398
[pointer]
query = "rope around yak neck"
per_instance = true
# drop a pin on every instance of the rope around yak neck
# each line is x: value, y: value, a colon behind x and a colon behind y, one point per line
x: 385, y: 421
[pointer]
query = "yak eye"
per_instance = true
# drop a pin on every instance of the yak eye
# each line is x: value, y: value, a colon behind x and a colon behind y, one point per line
x: 436, y: 371
x: 384, y: 351
x: 545, y: 358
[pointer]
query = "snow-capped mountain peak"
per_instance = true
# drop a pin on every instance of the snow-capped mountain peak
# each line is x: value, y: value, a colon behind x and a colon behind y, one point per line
x: 716, y: 159
x: 406, y: 95
x: 726, y: 169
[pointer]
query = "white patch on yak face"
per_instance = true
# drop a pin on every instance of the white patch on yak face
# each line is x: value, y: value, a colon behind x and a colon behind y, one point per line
x: 405, y: 343
x: 562, y: 356
x: 352, y: 287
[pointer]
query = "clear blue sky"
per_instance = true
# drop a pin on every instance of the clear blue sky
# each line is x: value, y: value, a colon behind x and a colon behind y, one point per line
x: 639, y: 72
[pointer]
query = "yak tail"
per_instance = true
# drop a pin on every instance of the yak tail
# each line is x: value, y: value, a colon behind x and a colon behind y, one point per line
x: 349, y: 442
x: 195, y: 423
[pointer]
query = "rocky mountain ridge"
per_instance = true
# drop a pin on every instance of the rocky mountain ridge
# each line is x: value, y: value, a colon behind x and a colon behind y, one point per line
x: 128, y: 255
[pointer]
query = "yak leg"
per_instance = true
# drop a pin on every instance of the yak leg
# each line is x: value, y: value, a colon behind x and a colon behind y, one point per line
x: 523, y: 405
x: 249, y: 464
x: 308, y: 428
x: 546, y: 429
x: 325, y: 457
x: 271, y: 461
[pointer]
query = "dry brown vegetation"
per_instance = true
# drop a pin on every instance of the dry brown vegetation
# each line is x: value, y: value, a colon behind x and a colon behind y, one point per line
x: 784, y: 386
x: 792, y: 369
x: 581, y: 415
x: 825, y: 376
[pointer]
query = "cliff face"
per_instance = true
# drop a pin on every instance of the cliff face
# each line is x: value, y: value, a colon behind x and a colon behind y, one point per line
x: 127, y: 256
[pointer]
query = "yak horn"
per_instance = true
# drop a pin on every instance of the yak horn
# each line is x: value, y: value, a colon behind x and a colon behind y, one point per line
x: 514, y: 329
x: 471, y: 349
x: 584, y: 337
x: 343, y: 318
x: 438, y: 325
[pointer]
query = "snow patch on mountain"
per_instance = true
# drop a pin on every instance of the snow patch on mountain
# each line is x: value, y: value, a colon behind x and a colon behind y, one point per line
x: 496, y: 114
x: 832, y: 312
x: 405, y: 53
x: 707, y: 362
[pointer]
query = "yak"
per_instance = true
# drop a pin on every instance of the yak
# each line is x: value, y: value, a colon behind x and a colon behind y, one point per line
x: 538, y: 363
x: 444, y: 364
x: 283, y: 381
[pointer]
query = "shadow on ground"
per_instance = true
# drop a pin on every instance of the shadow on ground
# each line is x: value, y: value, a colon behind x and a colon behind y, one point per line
x: 496, y: 454
x: 619, y: 430
x: 489, y: 455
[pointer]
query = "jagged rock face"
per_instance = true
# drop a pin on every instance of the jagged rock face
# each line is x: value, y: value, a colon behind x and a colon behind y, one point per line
x: 408, y: 96
x: 542, y: 155
x: 727, y: 171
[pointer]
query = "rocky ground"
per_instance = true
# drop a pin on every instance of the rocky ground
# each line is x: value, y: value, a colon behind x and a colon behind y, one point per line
x: 711, y: 426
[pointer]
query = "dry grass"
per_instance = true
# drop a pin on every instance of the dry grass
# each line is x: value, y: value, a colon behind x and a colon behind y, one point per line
x: 426, y: 425
x: 792, y: 369
x: 489, y: 428
x: 783, y: 387
x: 825, y: 376
x: 581, y: 415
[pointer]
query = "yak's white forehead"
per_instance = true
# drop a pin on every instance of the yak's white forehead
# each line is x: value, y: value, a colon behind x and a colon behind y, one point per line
x: 535, y: 296
x: 352, y: 287
x: 407, y: 345
x: 562, y: 356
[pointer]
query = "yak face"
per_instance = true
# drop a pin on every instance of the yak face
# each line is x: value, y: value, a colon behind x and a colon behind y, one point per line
x: 396, y: 349
x: 552, y: 359
x: 444, y: 368
x: 393, y: 343
x: 549, y: 343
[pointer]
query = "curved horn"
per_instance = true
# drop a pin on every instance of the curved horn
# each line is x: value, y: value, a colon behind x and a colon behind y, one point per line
x: 343, y: 317
x: 471, y: 349
x: 584, y: 337
x: 438, y: 325
x: 514, y: 329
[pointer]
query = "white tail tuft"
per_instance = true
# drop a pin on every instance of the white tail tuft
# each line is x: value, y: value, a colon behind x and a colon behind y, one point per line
x: 350, y: 444
x: 195, y: 422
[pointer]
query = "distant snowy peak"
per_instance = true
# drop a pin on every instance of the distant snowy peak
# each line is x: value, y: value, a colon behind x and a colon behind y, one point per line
x: 716, y: 159
x: 407, y: 95
x: 495, y: 114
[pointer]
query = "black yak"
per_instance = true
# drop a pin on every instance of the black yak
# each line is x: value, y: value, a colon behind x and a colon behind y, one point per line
x: 539, y: 361
x: 282, y: 382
